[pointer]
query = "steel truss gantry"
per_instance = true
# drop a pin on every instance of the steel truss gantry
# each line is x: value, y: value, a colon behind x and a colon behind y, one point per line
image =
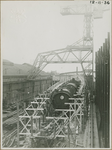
x: 71, y: 54
x: 81, y: 51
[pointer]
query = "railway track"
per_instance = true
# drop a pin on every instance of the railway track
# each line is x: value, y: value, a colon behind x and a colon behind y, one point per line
x: 10, y: 138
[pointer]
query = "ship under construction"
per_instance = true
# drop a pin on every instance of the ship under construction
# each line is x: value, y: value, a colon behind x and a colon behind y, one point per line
x: 68, y: 110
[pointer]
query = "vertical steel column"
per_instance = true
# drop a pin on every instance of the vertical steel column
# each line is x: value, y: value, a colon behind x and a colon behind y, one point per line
x: 108, y: 87
x: 106, y: 100
x: 103, y: 89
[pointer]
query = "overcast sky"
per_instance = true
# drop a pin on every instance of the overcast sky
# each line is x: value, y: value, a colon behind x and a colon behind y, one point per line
x: 31, y: 27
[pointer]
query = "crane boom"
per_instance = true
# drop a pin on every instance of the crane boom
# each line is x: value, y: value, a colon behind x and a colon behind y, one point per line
x: 96, y: 10
x: 77, y: 10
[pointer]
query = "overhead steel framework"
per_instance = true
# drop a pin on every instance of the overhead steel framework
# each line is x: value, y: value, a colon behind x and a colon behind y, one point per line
x: 71, y: 54
x: 81, y: 51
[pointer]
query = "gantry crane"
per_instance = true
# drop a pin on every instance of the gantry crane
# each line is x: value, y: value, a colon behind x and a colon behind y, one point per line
x: 90, y: 12
x: 79, y: 52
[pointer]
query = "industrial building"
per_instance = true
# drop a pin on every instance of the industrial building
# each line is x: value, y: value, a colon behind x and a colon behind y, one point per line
x: 15, y: 83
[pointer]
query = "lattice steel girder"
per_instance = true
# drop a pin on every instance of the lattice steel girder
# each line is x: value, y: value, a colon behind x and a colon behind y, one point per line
x: 71, y: 54
x: 88, y: 29
x: 77, y: 10
x: 96, y: 10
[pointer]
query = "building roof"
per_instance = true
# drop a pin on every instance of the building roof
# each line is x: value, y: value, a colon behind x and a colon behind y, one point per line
x: 7, y: 62
x: 11, y: 69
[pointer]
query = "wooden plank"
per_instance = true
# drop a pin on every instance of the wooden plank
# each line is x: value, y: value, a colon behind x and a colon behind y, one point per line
x: 24, y: 116
x: 60, y: 135
x: 76, y: 99
x: 35, y: 108
x: 38, y: 102
x: 24, y: 133
x: 63, y: 110
x: 73, y: 103
x: 36, y: 117
x: 56, y: 117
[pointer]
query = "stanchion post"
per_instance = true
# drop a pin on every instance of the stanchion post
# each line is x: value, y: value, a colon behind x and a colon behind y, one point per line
x: 17, y: 123
x: 68, y: 134
x: 31, y: 131
x: 39, y: 123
